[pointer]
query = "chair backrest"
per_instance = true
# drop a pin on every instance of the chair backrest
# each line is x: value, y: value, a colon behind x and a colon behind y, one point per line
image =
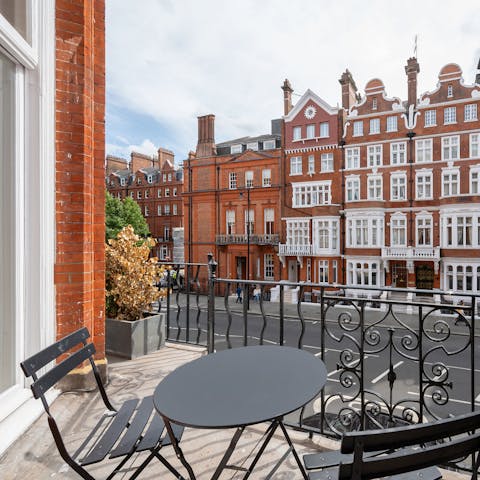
x: 36, y: 362
x: 409, y: 459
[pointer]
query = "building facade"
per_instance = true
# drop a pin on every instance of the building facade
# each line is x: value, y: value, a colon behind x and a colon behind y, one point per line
x: 312, y: 196
x: 52, y: 138
x: 157, y: 186
x: 378, y: 192
x: 231, y: 203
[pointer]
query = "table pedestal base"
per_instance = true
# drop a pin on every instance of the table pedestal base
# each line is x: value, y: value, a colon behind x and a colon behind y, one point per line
x: 278, y: 422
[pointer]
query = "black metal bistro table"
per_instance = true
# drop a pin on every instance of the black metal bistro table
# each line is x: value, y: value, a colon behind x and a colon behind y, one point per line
x: 240, y: 387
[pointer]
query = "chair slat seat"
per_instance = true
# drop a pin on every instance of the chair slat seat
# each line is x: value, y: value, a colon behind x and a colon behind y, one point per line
x: 134, y: 432
x: 430, y: 473
x: 112, y: 434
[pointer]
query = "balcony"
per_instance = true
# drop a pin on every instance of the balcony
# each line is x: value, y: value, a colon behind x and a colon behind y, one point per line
x: 411, y: 253
x: 295, y: 250
x: 264, y: 239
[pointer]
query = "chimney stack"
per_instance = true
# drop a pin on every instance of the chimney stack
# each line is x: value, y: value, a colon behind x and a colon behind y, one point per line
x: 349, y: 90
x: 287, y: 97
x: 206, y: 136
x: 411, y: 69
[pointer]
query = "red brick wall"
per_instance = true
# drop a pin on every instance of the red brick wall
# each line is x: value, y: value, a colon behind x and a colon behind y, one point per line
x: 80, y: 170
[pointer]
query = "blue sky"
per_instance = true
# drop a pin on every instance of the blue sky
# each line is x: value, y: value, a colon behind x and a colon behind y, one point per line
x: 169, y: 61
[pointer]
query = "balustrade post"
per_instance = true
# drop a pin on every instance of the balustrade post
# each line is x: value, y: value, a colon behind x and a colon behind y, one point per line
x: 212, y: 270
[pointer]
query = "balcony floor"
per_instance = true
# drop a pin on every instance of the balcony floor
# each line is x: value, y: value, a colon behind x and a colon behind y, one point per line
x: 35, y: 455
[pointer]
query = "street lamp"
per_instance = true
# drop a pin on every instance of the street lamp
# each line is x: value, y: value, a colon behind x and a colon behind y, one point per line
x: 247, y: 272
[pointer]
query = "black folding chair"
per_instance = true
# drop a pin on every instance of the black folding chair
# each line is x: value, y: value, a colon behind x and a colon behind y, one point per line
x: 135, y: 427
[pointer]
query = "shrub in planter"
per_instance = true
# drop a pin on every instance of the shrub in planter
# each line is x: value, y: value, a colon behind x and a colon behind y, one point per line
x: 131, y: 288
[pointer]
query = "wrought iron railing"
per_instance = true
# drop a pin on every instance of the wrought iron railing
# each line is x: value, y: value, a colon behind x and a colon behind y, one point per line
x: 390, y: 360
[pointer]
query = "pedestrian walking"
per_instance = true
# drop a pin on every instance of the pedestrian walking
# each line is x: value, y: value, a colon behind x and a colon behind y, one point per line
x: 239, y: 295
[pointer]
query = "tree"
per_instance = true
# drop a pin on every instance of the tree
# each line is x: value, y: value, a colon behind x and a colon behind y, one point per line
x: 119, y: 214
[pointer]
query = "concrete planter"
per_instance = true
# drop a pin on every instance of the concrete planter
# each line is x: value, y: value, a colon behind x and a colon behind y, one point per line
x: 134, y: 339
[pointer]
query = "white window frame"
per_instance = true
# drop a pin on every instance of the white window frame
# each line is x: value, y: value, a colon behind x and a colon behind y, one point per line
x: 311, y: 164
x: 122, y: 181
x: 374, y: 187
x: 470, y: 112
x: 398, y: 230
x: 430, y: 118
x: 167, y: 192
x: 249, y: 179
x: 458, y: 276
x: 249, y: 221
x: 28, y: 231
x: 352, y: 188
x: 268, y: 266
x: 326, y: 162
x: 398, y: 153
x: 460, y: 229
x: 450, y: 182
x: 325, y: 235
x: 374, y: 126
x: 311, y: 194
x: 392, y: 123
x: 236, y: 148
x: 296, y: 166
x: 310, y: 131
x: 474, y: 145
x: 364, y: 272
x: 398, y: 184
x: 322, y: 271
x: 232, y: 180
x: 375, y: 155
x: 268, y: 144
x: 451, y: 147
x: 423, y: 184
x: 449, y: 115
x: 365, y: 230
x: 166, y: 209
x: 358, y: 128
x: 252, y: 146
x: 352, y: 158
x: 159, y: 193
x: 266, y: 177
x: 424, y: 150
x: 424, y: 224
x: 474, y: 180
x: 297, y: 133
x: 298, y: 232
x: 230, y: 222
x: 449, y: 91
x: 269, y: 221
x: 324, y: 130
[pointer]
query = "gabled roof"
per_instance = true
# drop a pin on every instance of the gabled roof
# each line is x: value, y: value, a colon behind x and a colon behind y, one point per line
x: 309, y: 96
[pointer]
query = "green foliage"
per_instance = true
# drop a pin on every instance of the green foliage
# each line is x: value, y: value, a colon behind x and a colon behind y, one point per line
x: 119, y: 214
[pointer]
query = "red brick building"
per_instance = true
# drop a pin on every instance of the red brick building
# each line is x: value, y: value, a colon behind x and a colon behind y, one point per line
x: 231, y: 203
x: 53, y: 222
x: 312, y: 199
x: 156, y: 185
x: 411, y: 185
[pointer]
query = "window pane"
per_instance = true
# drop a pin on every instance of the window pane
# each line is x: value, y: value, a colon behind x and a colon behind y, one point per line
x: 7, y: 212
x: 15, y: 11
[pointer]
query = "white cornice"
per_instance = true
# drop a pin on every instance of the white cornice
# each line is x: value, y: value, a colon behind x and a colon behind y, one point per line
x: 309, y: 96
x: 311, y: 149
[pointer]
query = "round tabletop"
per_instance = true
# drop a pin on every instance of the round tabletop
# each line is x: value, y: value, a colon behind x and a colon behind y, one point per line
x: 240, y: 386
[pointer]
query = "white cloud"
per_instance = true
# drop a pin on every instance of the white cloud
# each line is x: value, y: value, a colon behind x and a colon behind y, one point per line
x: 175, y: 60
x: 147, y: 147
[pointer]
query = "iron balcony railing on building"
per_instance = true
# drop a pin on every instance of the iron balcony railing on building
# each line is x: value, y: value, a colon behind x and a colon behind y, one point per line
x: 411, y: 253
x: 255, y: 239
x: 390, y: 360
